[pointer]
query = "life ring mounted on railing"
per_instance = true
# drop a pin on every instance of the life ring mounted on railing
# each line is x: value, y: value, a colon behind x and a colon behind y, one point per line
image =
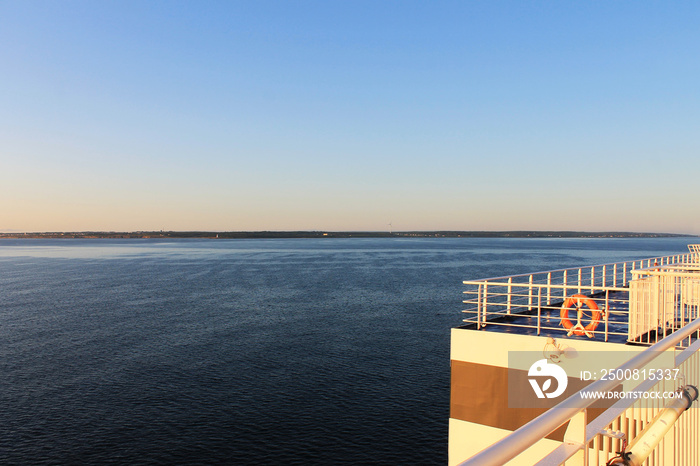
x: 577, y: 302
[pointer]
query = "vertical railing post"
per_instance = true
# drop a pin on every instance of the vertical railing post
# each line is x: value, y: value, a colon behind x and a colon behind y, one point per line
x: 606, y: 312
x: 483, y: 310
x: 539, y: 309
x: 576, y: 434
x: 604, y: 277
x: 579, y: 281
x: 510, y: 289
x: 615, y: 275
x: 478, y: 305
x: 592, y: 278
x: 529, y: 294
x: 549, y: 288
x: 563, y: 292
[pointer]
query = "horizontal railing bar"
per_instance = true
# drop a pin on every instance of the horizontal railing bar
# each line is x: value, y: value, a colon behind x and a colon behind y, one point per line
x: 585, y: 267
x: 687, y: 353
x: 660, y: 273
x: 502, y: 309
x: 557, y: 297
x: 569, y: 286
x: 675, y: 265
x: 506, y: 324
x: 524, y: 311
x: 551, y: 307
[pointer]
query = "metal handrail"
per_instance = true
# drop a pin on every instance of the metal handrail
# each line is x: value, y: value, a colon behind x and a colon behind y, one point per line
x: 521, y: 439
x: 489, y: 299
x: 596, y: 426
x: 677, y: 270
x: 667, y: 259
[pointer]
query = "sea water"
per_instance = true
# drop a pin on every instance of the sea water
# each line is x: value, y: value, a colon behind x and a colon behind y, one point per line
x: 284, y: 351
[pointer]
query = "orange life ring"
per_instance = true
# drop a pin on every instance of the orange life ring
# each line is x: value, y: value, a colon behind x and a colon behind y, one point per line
x: 580, y: 300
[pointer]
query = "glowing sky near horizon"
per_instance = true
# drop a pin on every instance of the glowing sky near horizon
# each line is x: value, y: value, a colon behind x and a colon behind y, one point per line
x: 300, y: 115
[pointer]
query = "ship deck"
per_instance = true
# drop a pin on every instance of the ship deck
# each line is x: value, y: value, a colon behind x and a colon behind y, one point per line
x: 616, y: 319
x: 525, y: 322
x: 652, y: 303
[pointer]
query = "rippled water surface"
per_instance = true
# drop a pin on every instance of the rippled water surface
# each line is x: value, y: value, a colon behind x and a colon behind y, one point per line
x: 300, y: 351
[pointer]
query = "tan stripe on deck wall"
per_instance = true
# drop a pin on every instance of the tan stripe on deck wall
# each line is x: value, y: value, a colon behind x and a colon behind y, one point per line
x: 479, y: 394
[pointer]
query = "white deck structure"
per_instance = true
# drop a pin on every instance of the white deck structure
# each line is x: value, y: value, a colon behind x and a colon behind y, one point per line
x: 649, y: 311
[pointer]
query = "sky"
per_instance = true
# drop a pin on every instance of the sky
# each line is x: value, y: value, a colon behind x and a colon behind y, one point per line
x: 349, y: 115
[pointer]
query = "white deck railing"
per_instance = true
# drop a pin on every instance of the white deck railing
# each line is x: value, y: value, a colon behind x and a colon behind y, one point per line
x: 595, y: 443
x: 537, y: 297
x: 663, y: 299
x: 651, y: 298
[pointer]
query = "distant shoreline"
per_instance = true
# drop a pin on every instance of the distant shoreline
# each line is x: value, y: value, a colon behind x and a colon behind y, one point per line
x: 337, y: 234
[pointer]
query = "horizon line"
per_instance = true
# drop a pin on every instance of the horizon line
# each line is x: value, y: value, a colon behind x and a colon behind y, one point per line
x: 347, y: 232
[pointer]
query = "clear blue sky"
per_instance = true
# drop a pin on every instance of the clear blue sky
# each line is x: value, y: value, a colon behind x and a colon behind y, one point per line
x: 348, y: 115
